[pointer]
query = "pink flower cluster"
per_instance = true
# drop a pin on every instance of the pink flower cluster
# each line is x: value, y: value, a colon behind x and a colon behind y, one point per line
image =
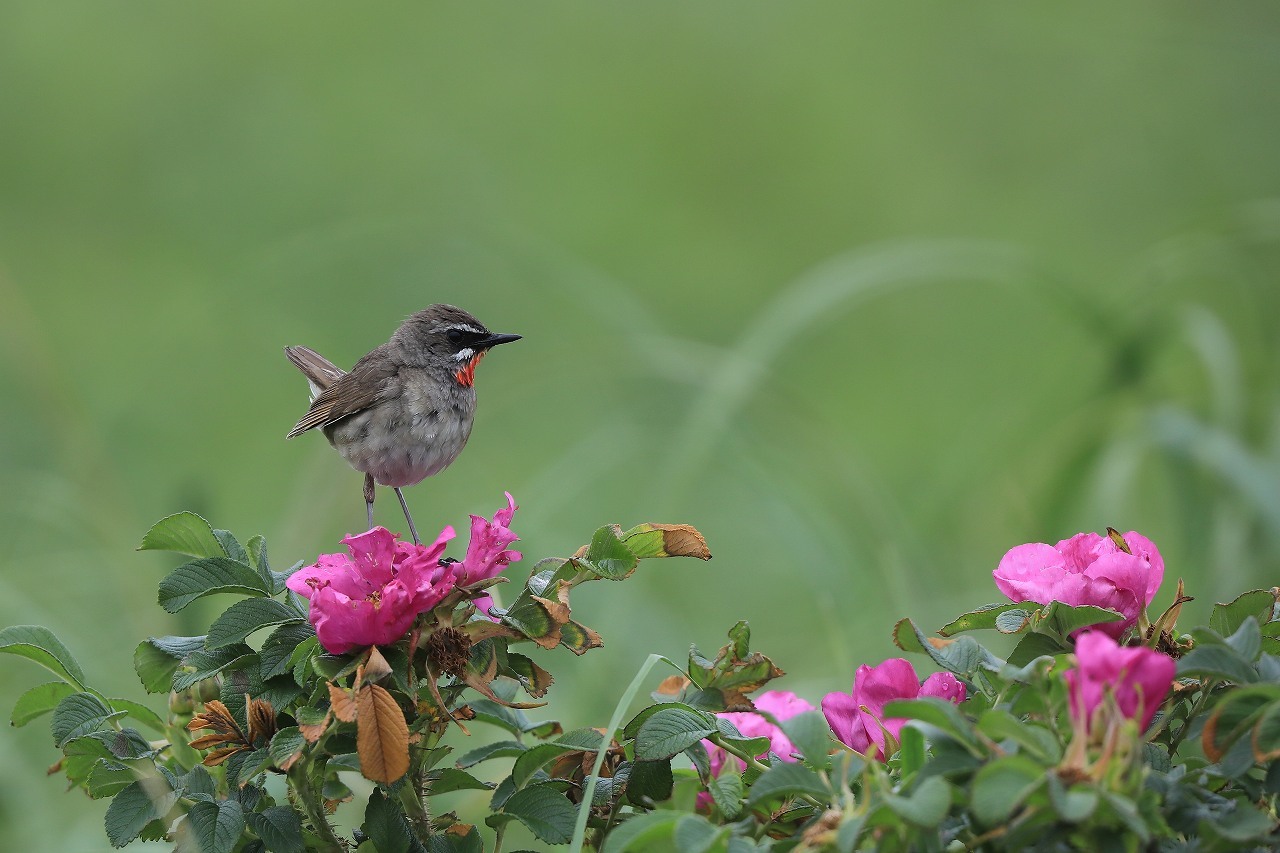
x: 782, y: 705
x: 857, y: 717
x: 371, y: 595
x: 1085, y: 569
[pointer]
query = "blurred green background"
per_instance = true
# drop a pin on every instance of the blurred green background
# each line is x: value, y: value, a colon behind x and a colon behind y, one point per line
x: 868, y: 294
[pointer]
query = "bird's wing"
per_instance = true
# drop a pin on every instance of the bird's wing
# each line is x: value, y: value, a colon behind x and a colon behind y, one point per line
x: 348, y: 394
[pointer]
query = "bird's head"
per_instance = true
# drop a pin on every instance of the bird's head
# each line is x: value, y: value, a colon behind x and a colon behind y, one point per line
x: 449, y: 338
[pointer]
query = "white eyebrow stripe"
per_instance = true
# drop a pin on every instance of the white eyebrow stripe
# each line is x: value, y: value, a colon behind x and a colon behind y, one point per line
x: 465, y: 328
x: 464, y: 354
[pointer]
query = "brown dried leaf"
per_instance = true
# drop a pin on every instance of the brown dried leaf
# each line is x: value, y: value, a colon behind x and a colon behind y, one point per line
x: 672, y: 685
x: 682, y: 540
x: 262, y: 720
x: 1118, y: 538
x: 343, y: 706
x: 382, y: 735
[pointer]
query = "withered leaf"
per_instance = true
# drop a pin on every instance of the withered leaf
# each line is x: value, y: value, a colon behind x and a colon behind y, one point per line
x: 344, y: 708
x: 376, y: 667
x: 682, y: 540
x: 382, y: 735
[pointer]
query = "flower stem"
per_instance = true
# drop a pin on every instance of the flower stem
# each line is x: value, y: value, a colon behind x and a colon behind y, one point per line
x: 302, y: 775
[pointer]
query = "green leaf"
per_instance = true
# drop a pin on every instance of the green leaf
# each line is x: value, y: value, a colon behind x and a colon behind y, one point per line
x: 936, y: 712
x: 497, y: 749
x: 1244, y: 823
x: 1219, y: 662
x: 961, y: 655
x: 1247, y: 639
x: 134, y: 807
x: 157, y: 658
x: 726, y: 791
x: 1073, y: 805
x: 79, y: 714
x: 810, y: 734
x: 642, y: 833
x: 926, y: 806
x: 386, y: 825
x: 108, y: 778
x: 448, y: 779
x: 1013, y: 621
x: 39, y: 644
x: 535, y: 758
x: 695, y: 834
x: 1038, y: 741
x: 671, y: 731
x: 141, y: 713
x: 1000, y: 787
x: 206, y: 577
x: 1227, y: 618
x: 278, y: 827
x: 650, y: 782
x: 608, y: 556
x: 277, y: 651
x: 730, y: 736
x: 183, y: 533
x: 543, y: 810
x: 974, y: 620
x: 786, y: 779
x: 38, y: 701
x: 285, y: 744
x: 1065, y: 619
x: 207, y: 664
x: 245, y: 617
x: 231, y: 546
x: 1035, y: 645
x: 215, y: 827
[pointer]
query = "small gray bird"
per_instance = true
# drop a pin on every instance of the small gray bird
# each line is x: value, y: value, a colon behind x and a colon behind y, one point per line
x: 405, y: 410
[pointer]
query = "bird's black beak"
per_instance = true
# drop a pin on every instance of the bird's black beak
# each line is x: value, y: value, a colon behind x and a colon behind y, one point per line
x: 494, y: 340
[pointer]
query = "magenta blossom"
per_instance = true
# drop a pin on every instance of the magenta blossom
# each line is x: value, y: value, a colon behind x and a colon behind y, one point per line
x: 1085, y: 569
x: 782, y: 705
x: 1138, y: 677
x: 486, y: 553
x: 857, y: 718
x: 372, y: 596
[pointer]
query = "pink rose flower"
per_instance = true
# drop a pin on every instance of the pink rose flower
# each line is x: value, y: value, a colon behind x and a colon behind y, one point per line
x: 857, y: 718
x: 1138, y: 677
x: 372, y: 595
x: 486, y: 552
x: 783, y: 705
x: 1085, y: 569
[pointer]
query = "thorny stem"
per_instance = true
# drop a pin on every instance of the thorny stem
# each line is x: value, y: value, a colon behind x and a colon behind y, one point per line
x: 302, y: 777
x: 1206, y: 689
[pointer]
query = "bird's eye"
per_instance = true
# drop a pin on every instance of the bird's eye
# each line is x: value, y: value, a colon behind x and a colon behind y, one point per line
x: 456, y: 336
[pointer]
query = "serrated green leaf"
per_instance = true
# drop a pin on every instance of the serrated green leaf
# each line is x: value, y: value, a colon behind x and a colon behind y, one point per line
x: 534, y: 759
x: 246, y: 617
x: 926, y: 806
x: 38, y: 701
x: 1065, y: 619
x: 108, y: 778
x: 1227, y: 617
x: 975, y: 620
x: 786, y: 779
x: 671, y: 731
x: 79, y: 714
x: 207, y: 664
x: 182, y: 533
x: 386, y: 825
x: 208, y: 576
x: 277, y: 652
x: 1035, y: 645
x: 135, y: 807
x: 1247, y: 639
x: 726, y: 791
x: 39, y: 644
x: 1038, y: 741
x: 961, y: 655
x: 936, y: 712
x: 1013, y: 621
x: 215, y: 827
x: 157, y: 658
x: 448, y: 779
x: 650, y: 782
x: 285, y: 744
x: 695, y: 834
x: 279, y: 828
x: 543, y: 810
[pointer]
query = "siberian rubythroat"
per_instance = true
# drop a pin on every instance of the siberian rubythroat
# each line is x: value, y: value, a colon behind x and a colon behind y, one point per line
x: 405, y: 410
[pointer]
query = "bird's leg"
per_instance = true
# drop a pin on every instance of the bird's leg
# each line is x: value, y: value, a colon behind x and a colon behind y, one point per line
x: 368, y: 497
x: 413, y: 531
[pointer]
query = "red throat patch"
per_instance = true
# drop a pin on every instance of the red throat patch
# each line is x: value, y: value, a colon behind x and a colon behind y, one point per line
x: 466, y: 375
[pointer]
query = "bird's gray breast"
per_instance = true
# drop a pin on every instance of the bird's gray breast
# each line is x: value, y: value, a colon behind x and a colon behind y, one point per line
x: 416, y: 430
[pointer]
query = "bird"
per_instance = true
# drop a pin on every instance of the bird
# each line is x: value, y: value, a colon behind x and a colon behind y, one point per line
x: 405, y: 410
